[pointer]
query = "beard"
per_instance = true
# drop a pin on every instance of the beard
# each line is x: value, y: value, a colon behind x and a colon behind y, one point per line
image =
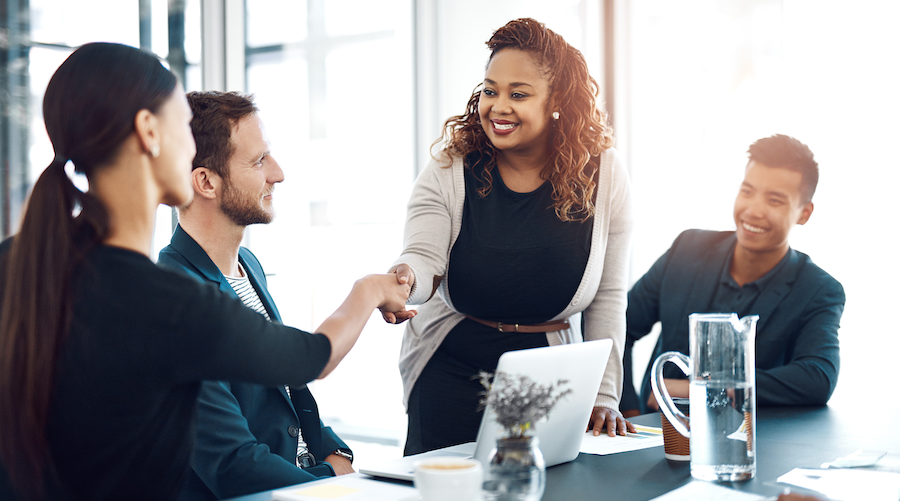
x: 242, y: 208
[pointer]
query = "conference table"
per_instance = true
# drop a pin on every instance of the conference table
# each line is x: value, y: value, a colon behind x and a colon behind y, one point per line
x: 787, y: 438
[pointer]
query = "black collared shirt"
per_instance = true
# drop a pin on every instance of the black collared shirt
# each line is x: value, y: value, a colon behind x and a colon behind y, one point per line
x: 731, y: 297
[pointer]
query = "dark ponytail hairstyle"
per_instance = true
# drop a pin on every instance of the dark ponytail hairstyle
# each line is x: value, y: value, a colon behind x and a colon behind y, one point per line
x: 89, y: 110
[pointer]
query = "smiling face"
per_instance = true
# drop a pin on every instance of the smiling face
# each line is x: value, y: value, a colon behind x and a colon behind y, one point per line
x: 248, y: 191
x: 769, y: 203
x: 513, y: 106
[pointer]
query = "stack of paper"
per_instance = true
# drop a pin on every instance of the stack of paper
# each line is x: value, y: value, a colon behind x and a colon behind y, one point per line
x: 707, y: 491
x: 603, y: 444
x: 847, y: 484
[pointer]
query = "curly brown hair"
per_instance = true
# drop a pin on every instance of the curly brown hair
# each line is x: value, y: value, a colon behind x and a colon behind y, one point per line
x: 580, y: 133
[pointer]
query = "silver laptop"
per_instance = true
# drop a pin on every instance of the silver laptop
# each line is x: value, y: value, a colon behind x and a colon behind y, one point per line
x: 583, y: 364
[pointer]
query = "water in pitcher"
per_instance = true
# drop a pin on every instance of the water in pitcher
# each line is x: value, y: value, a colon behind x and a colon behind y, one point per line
x: 723, y: 421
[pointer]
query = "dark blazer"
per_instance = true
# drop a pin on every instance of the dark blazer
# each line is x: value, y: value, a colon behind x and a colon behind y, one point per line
x: 800, y: 308
x: 246, y: 437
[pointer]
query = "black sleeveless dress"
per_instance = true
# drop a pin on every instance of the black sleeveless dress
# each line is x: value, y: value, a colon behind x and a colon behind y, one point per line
x: 513, y: 262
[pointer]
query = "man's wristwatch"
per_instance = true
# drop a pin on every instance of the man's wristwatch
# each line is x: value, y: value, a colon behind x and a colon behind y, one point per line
x: 344, y: 453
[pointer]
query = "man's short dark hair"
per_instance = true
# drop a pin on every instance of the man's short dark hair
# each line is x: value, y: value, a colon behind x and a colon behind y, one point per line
x: 215, y: 114
x: 784, y: 152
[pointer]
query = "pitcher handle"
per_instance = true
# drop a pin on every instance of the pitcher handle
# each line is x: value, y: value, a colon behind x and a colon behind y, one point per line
x: 679, y: 420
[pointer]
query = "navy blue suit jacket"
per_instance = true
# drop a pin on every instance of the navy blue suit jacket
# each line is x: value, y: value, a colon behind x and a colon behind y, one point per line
x: 246, y: 439
x: 797, y: 356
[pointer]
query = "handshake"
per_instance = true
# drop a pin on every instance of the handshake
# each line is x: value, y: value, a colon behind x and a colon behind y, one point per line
x: 397, y: 313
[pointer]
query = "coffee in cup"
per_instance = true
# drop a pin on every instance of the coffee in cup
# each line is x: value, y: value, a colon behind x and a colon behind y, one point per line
x: 449, y: 479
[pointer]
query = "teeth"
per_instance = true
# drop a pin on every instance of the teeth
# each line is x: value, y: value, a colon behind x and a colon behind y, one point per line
x: 505, y: 126
x: 752, y: 229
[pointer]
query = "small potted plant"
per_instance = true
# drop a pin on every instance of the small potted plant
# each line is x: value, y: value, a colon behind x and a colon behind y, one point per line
x: 516, y: 469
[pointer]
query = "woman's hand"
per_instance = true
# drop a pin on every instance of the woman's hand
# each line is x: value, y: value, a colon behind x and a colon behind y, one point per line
x: 399, y: 315
x: 611, y: 420
x: 391, y: 290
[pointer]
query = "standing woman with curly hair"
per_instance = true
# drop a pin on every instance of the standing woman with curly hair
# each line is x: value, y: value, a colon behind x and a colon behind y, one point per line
x: 524, y: 218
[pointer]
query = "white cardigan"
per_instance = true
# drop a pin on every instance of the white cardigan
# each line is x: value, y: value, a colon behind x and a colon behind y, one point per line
x: 434, y: 217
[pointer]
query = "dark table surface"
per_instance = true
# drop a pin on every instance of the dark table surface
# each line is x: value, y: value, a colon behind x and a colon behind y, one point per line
x: 791, y: 437
x: 787, y: 438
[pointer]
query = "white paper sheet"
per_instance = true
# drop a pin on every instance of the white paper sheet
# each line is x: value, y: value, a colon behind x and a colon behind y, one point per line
x: 847, y: 484
x: 349, y: 488
x: 603, y: 444
x: 703, y: 491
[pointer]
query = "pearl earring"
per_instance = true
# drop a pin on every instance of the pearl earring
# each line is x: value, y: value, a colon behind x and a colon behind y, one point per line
x: 556, y: 115
x: 154, y: 151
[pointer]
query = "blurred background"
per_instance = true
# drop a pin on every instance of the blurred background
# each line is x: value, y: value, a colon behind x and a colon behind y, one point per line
x: 354, y: 92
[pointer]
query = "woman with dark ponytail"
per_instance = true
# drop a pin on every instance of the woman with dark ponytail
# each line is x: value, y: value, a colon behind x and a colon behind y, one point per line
x: 101, y: 352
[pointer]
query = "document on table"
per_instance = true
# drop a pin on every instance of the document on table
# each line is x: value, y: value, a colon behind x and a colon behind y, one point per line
x: 348, y: 489
x: 703, y: 491
x: 847, y: 484
x: 603, y: 444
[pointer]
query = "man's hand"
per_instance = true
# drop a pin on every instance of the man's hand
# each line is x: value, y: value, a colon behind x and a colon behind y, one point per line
x: 610, y: 419
x: 678, y: 388
x: 340, y: 464
x: 406, y: 276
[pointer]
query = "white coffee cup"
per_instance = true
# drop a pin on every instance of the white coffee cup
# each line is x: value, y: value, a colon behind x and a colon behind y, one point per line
x: 448, y: 479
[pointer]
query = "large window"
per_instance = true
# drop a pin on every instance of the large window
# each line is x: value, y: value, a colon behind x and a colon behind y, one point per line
x: 335, y: 93
x: 46, y: 32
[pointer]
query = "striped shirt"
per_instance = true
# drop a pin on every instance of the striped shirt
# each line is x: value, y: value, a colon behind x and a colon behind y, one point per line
x: 250, y: 298
x: 246, y: 292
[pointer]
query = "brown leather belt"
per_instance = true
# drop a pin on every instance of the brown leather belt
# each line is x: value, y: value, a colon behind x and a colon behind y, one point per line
x: 531, y: 328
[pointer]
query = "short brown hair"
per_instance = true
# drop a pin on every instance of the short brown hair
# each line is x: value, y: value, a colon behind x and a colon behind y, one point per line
x: 784, y: 152
x: 215, y: 114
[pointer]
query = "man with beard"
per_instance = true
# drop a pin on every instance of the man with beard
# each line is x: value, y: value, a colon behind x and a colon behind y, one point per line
x: 249, y: 437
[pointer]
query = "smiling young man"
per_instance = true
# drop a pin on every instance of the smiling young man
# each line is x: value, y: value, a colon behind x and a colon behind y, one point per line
x: 750, y: 271
x: 249, y: 437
